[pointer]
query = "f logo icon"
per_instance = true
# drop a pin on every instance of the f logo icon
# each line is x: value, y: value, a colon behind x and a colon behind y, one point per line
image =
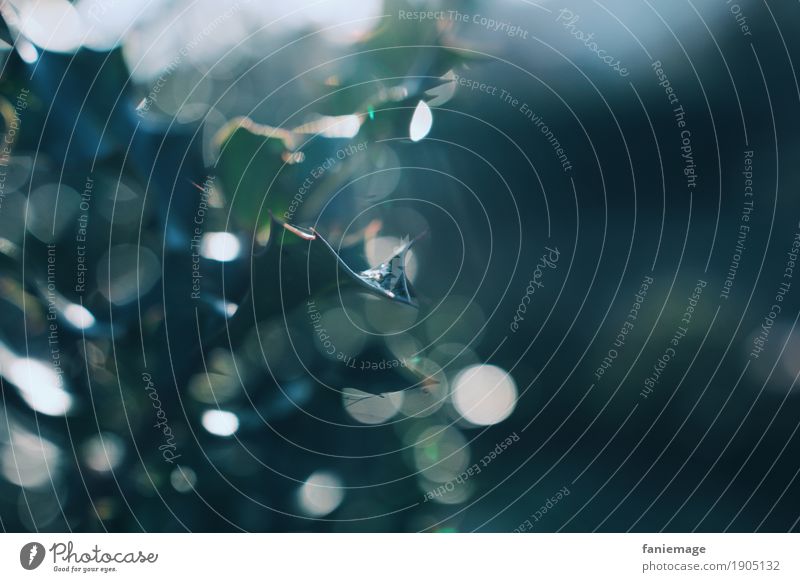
x: 31, y: 555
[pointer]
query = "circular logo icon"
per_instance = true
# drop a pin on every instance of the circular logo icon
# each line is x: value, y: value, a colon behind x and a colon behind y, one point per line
x: 31, y: 555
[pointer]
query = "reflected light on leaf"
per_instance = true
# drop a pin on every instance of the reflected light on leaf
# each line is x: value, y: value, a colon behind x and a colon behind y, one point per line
x: 183, y: 479
x: 220, y: 422
x: 220, y: 246
x: 421, y: 122
x: 344, y: 126
x: 484, y: 394
x: 441, y: 453
x: 40, y: 386
x: 371, y: 409
x: 27, y: 51
x: 28, y: 460
x: 444, y: 92
x: 53, y: 25
x: 79, y: 316
x: 103, y: 453
x: 320, y: 494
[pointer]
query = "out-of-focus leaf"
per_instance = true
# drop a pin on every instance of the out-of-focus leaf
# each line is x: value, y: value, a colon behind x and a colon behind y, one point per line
x: 252, y: 154
x: 248, y: 162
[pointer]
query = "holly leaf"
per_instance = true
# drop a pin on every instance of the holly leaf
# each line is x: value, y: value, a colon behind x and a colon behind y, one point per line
x: 299, y: 263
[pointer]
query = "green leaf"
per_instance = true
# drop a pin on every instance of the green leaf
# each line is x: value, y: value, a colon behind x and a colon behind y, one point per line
x: 299, y: 263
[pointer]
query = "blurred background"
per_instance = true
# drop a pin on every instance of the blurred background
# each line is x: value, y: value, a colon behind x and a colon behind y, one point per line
x: 594, y: 328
